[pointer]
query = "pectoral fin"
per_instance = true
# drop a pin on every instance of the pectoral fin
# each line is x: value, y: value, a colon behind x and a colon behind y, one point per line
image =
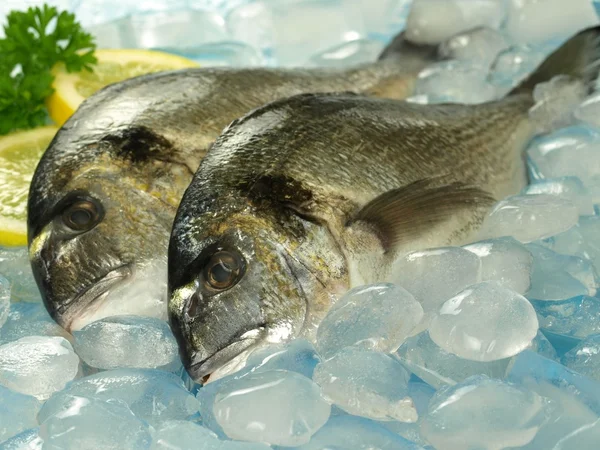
x: 406, y: 214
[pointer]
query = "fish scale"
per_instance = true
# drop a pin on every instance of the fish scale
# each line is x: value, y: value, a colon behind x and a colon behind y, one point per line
x: 130, y: 151
x: 322, y: 191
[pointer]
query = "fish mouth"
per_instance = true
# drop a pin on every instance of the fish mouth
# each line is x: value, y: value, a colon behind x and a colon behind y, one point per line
x: 226, y: 360
x: 92, y: 296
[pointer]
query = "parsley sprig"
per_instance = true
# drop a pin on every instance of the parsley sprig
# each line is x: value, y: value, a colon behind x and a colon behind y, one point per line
x: 35, y: 41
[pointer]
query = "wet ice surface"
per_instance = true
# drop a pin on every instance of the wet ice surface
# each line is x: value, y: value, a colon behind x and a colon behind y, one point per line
x: 378, y: 375
x: 38, y: 365
x: 585, y: 357
x: 18, y: 412
x: 484, y: 413
x: 127, y: 341
x: 257, y: 408
x: 367, y: 383
x: 485, y: 322
x: 530, y: 217
x: 376, y: 316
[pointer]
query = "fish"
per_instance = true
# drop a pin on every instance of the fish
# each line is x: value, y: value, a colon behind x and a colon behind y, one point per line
x: 306, y: 197
x: 104, y: 195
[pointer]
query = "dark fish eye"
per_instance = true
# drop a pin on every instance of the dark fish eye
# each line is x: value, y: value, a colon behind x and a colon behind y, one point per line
x: 223, y: 270
x: 82, y: 215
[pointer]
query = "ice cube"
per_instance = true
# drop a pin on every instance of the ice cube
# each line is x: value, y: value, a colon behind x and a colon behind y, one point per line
x: 529, y: 368
x: 153, y: 395
x: 181, y: 435
x: 439, y: 368
x: 230, y: 53
x: 94, y: 424
x: 506, y: 261
x: 576, y: 317
x: 535, y: 21
x: 29, y: 319
x: 435, y: 275
x: 15, y: 266
x: 26, y: 440
x: 484, y: 413
x: 94, y: 12
x: 569, y: 188
x: 433, y: 21
x: 366, y: 383
x: 581, y: 240
x: 277, y: 406
x: 18, y: 412
x: 127, y: 342
x: 350, y: 432
x: 181, y: 30
x: 589, y: 110
x: 479, y: 46
x: 377, y: 316
x: 485, y: 322
x: 455, y: 82
x: 348, y: 54
x: 297, y: 355
x: 251, y: 23
x: 559, y: 277
x: 585, y: 357
x: 567, y: 414
x: 580, y: 159
x: 38, y: 365
x: 330, y: 22
x: 585, y: 437
x: 513, y: 64
x: 4, y: 299
x: 529, y: 217
x: 555, y: 102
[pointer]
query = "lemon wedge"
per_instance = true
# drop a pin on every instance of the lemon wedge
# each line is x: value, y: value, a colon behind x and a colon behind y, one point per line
x: 20, y: 153
x: 70, y: 89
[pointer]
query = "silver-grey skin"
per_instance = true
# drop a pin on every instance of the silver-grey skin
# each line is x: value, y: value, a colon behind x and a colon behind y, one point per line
x: 120, y: 164
x: 306, y: 197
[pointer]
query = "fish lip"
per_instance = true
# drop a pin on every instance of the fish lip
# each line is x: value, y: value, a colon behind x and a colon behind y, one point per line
x: 201, y: 370
x: 96, y: 291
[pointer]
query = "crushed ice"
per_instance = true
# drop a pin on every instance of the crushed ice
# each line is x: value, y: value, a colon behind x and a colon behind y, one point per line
x: 494, y: 345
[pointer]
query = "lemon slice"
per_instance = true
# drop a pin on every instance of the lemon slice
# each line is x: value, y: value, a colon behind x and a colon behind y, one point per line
x: 70, y: 89
x: 19, y: 155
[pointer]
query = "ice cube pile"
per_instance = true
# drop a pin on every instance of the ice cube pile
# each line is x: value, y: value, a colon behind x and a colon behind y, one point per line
x: 493, y: 345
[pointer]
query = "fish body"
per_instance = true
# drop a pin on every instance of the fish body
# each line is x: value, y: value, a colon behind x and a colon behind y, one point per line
x: 308, y: 196
x: 104, y: 195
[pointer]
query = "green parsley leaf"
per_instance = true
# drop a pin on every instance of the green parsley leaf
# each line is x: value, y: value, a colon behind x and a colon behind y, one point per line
x: 35, y: 41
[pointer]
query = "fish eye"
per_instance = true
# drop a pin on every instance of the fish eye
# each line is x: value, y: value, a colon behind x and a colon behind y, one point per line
x: 82, y: 215
x: 223, y: 270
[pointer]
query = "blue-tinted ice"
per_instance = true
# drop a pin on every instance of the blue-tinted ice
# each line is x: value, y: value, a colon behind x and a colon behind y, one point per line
x: 485, y: 322
x: 484, y: 413
x: 18, y: 412
x: 585, y: 357
x: 350, y: 432
x: 275, y: 406
x: 378, y: 316
x: 38, y: 365
x: 153, y: 395
x: 127, y: 342
x: 93, y: 424
x: 368, y: 384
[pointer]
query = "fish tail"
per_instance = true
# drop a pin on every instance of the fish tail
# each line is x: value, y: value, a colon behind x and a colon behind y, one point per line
x: 402, y: 49
x: 561, y: 81
x: 577, y: 59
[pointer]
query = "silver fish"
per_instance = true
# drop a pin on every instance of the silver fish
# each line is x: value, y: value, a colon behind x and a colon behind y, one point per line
x: 309, y: 196
x: 104, y: 195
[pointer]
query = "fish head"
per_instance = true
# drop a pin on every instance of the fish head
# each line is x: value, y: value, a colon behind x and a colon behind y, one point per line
x: 235, y: 284
x: 98, y: 239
